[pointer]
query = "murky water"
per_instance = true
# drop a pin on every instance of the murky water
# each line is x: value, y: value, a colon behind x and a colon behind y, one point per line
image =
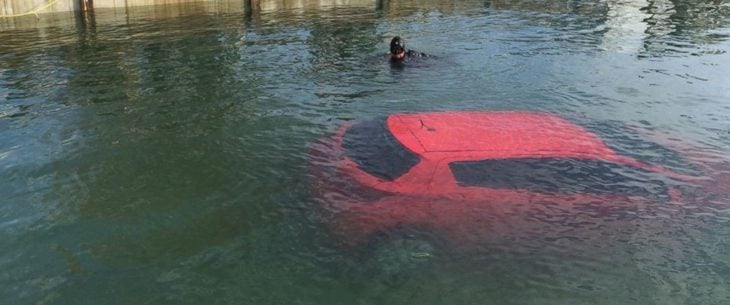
x: 161, y: 157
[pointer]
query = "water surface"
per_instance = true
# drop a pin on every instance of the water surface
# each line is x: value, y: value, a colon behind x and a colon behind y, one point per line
x: 160, y: 157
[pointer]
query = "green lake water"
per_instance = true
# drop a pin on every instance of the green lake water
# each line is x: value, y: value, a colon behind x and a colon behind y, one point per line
x: 158, y: 157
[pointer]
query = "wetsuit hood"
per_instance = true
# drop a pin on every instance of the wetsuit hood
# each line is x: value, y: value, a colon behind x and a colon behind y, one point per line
x: 397, y: 45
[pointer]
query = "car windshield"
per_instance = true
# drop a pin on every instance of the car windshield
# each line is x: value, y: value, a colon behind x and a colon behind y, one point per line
x: 376, y: 151
x: 559, y: 175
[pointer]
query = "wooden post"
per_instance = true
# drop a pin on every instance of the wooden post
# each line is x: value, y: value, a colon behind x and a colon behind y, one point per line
x: 251, y: 9
x: 86, y: 5
x: 254, y: 4
x: 86, y: 13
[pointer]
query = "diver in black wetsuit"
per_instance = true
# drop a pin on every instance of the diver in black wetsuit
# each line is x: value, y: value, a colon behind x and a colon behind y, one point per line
x: 398, y: 52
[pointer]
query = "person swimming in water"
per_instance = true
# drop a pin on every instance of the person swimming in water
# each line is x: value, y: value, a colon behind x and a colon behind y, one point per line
x: 398, y: 52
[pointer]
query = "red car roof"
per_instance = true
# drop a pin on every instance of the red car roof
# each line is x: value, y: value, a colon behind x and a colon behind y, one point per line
x: 499, y: 134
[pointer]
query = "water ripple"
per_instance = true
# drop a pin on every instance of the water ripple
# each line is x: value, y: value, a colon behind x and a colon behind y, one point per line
x: 163, y: 155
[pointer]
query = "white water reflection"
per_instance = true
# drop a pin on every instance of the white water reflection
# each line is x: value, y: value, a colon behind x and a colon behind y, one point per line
x: 625, y: 27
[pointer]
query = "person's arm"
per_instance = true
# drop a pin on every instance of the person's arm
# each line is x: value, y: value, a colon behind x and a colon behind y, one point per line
x: 413, y: 53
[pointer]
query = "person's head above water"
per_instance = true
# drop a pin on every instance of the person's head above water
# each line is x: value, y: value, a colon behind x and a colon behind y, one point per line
x: 397, y: 48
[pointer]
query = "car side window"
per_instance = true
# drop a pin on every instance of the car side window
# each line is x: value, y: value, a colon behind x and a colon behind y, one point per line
x: 559, y: 175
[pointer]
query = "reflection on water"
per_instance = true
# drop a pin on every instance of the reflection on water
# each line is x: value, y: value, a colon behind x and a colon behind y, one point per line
x: 296, y: 5
x: 160, y: 155
x: 686, y: 23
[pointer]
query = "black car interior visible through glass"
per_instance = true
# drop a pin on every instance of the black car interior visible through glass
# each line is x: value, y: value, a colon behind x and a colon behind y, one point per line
x: 628, y: 142
x: 376, y: 151
x: 559, y: 175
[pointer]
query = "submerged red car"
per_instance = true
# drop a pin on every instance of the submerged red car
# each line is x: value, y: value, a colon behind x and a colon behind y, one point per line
x: 468, y: 176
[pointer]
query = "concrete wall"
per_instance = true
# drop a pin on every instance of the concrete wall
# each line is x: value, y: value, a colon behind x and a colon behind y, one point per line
x: 24, y: 14
x: 128, y: 3
x: 55, y: 17
x: 10, y: 8
x: 22, y: 8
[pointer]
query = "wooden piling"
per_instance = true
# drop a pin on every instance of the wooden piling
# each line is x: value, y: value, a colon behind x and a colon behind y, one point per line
x: 86, y: 14
x: 86, y: 6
